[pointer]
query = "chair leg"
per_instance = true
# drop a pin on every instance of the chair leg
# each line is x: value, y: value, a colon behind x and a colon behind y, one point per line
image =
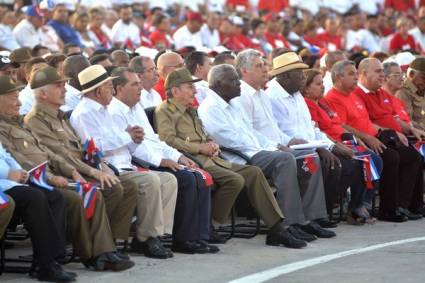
x: 2, y: 248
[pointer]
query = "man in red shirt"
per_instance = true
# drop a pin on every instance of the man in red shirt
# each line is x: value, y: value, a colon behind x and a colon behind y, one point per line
x: 167, y: 62
x: 401, y: 184
x: 400, y: 5
x: 402, y: 40
x: 329, y: 37
x: 273, y: 33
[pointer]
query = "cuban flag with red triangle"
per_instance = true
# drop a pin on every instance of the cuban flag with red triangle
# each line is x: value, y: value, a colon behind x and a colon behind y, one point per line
x: 420, y: 146
x: 92, y: 155
x: 37, y: 176
x: 87, y: 191
x: 4, y: 200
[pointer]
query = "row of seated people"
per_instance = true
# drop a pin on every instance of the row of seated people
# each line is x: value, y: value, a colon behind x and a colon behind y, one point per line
x: 170, y: 199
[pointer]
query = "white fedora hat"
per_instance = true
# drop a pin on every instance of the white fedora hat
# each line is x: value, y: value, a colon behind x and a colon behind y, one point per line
x: 286, y: 62
x: 92, y: 77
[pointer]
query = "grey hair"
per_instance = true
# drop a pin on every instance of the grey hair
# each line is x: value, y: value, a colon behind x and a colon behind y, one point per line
x: 339, y: 67
x: 244, y: 59
x: 37, y: 91
x: 218, y: 73
x: 137, y: 64
x: 387, y: 67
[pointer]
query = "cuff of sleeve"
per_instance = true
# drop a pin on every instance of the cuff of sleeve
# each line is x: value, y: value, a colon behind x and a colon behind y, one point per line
x: 4, y: 173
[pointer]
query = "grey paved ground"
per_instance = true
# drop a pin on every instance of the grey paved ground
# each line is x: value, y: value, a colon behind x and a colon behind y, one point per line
x: 401, y: 263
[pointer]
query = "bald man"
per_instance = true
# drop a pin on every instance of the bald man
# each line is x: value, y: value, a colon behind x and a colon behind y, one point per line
x: 167, y: 62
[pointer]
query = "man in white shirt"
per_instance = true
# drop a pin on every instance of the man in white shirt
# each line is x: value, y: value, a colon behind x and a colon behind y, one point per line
x: 418, y: 33
x: 224, y: 119
x: 193, y: 213
x: 26, y: 96
x: 72, y: 66
x: 294, y: 119
x: 149, y: 77
x: 7, y: 38
x: 209, y: 31
x: 31, y: 31
x: 189, y: 34
x: 157, y: 190
x: 125, y: 33
x: 199, y: 64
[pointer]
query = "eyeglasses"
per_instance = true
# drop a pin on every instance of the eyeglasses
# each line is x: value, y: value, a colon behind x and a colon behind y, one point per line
x: 180, y: 65
x: 396, y: 75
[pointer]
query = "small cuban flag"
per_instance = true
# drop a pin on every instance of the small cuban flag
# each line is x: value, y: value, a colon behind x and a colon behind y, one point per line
x: 87, y: 191
x: 37, y: 176
x: 92, y: 154
x: 4, y: 200
x: 206, y: 177
x: 420, y: 146
x: 308, y: 162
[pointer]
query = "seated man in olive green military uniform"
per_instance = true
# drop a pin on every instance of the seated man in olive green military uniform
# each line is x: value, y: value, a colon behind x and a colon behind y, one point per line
x: 53, y: 130
x: 179, y: 126
x: 91, y: 239
x: 412, y: 92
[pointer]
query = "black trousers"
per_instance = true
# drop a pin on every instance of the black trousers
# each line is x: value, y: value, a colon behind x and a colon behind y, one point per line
x: 33, y: 205
x: 192, y: 217
x: 401, y: 183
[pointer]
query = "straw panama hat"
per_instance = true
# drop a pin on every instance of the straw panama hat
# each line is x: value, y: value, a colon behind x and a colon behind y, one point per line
x: 286, y: 62
x: 92, y: 77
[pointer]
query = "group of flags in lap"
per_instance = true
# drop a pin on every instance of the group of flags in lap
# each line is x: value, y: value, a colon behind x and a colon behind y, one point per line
x: 93, y: 156
x: 370, y: 171
x: 87, y: 191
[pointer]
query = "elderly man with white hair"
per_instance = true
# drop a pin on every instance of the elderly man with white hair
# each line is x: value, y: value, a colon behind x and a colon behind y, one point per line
x: 224, y: 120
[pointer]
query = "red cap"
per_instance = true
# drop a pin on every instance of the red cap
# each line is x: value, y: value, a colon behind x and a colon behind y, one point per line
x: 194, y: 16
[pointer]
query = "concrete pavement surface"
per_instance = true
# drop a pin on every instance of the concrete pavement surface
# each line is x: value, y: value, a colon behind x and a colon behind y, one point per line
x: 377, y: 253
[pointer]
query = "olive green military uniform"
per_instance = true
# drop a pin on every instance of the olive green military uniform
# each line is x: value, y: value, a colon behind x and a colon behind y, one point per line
x: 53, y: 130
x: 181, y: 128
x: 6, y: 214
x: 89, y: 238
x: 414, y: 102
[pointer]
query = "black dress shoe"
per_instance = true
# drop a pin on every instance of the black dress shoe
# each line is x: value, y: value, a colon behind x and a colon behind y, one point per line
x: 189, y: 247
x: 300, y: 234
x: 211, y: 249
x: 54, y: 273
x: 393, y: 216
x: 420, y: 211
x: 152, y: 247
x: 410, y: 215
x: 325, y: 223
x: 110, y: 261
x: 315, y: 229
x: 122, y: 255
x: 216, y: 238
x: 284, y: 238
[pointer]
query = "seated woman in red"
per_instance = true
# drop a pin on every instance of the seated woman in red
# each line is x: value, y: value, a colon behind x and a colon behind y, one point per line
x: 329, y: 122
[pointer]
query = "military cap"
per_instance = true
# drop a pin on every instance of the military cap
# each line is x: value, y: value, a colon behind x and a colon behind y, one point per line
x: 20, y: 55
x: 418, y: 64
x: 45, y: 76
x: 7, y: 85
x: 178, y: 77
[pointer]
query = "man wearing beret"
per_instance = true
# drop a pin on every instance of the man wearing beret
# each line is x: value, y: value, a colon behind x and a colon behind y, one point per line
x: 92, y: 239
x: 179, y: 126
x: 53, y: 129
x: 413, y: 91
